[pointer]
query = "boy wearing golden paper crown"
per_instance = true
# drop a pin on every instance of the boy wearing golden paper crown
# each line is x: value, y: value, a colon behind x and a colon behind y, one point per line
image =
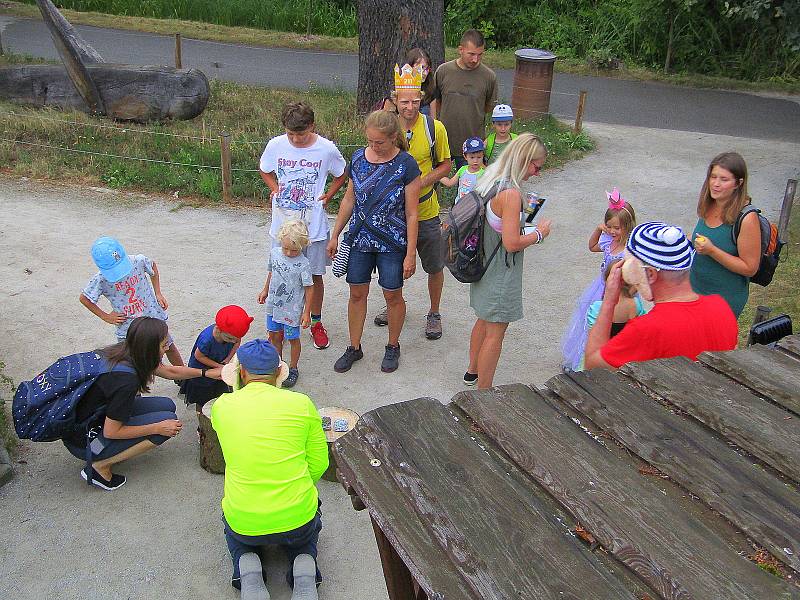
x: 428, y: 144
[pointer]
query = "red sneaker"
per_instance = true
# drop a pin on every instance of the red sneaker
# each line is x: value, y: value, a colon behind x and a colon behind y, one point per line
x: 320, y: 336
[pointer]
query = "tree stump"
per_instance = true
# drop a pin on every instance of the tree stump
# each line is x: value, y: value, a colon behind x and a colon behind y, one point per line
x: 333, y: 413
x: 211, y: 458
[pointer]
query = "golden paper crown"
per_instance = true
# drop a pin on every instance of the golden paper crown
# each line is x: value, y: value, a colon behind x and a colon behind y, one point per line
x: 407, y: 78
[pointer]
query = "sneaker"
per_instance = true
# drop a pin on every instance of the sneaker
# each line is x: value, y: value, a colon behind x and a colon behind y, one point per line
x: 382, y: 318
x: 470, y: 378
x: 433, y: 326
x: 304, y: 573
x: 291, y: 379
x: 319, y: 336
x: 252, y: 580
x: 347, y: 359
x: 117, y: 481
x: 391, y: 359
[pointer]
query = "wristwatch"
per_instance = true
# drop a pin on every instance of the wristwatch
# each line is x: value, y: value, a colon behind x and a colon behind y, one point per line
x: 203, y: 371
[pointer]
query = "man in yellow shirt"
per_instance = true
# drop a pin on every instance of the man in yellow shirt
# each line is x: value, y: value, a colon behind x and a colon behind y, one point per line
x: 427, y: 143
x: 275, y: 451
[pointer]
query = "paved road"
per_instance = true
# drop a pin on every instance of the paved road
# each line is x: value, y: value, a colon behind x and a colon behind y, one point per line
x: 610, y: 101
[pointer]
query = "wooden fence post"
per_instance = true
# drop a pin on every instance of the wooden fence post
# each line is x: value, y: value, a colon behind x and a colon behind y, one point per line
x: 579, y: 115
x: 786, y: 210
x: 225, y: 151
x: 1, y: 44
x: 178, y: 52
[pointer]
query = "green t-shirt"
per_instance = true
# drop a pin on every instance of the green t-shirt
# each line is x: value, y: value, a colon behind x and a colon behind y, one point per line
x: 275, y: 451
x: 465, y: 97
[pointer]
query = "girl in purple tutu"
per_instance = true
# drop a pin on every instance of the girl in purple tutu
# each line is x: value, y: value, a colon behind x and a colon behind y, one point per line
x: 610, y: 239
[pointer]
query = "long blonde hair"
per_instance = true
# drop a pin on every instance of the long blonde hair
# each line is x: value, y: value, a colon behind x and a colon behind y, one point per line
x: 388, y: 123
x: 513, y: 163
x: 733, y: 162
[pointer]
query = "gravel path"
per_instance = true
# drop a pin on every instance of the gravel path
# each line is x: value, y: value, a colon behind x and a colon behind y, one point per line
x: 160, y: 536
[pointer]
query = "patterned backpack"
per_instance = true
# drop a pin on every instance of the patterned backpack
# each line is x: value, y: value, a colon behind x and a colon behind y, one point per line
x: 462, y: 237
x: 44, y: 408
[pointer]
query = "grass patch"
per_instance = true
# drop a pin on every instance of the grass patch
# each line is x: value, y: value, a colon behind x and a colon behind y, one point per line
x: 251, y: 115
x: 783, y: 294
x: 498, y: 59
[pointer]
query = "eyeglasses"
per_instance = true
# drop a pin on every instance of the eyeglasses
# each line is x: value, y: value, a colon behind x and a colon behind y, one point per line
x: 409, y: 135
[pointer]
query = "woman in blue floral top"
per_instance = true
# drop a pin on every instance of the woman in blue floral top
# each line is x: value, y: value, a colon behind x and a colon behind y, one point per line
x: 382, y: 198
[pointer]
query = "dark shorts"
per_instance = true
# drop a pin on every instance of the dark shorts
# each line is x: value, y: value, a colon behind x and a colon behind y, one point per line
x: 389, y: 265
x: 429, y: 245
x: 201, y: 390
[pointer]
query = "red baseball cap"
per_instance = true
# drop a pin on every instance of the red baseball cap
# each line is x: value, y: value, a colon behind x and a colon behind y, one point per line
x: 233, y: 320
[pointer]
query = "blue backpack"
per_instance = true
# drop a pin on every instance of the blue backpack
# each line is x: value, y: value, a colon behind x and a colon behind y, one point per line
x: 44, y: 408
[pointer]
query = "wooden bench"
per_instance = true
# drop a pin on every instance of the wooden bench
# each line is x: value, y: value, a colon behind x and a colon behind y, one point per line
x: 673, y: 469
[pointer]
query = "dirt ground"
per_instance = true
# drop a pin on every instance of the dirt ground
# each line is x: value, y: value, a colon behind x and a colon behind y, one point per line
x: 160, y: 536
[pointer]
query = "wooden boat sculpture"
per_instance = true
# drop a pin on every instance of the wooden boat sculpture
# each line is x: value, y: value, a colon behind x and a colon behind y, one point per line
x: 86, y: 83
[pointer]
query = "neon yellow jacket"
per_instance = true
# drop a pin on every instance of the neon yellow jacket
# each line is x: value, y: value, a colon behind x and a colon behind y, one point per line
x: 275, y: 451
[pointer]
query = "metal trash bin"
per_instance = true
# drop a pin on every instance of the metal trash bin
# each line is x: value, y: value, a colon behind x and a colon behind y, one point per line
x: 533, y: 82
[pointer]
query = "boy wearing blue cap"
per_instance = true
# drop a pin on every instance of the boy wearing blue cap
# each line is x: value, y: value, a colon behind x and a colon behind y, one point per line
x: 467, y: 176
x: 123, y: 280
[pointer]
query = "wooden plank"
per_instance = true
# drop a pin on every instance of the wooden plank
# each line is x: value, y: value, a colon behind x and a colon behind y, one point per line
x: 790, y: 344
x: 399, y: 583
x: 677, y: 554
x: 761, y: 505
x: 766, y: 431
x: 772, y: 374
x: 450, y: 506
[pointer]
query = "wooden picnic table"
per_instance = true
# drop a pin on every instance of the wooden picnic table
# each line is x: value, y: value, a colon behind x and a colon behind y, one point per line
x: 662, y: 480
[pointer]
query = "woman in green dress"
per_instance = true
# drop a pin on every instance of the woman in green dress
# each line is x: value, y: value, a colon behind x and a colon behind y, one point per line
x: 723, y: 266
x: 497, y: 297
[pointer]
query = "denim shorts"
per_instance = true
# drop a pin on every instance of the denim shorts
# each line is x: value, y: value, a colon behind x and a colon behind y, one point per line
x: 289, y: 332
x: 389, y: 265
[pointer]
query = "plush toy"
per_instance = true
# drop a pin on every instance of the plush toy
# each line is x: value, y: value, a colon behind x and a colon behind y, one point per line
x: 231, y: 374
x: 634, y: 274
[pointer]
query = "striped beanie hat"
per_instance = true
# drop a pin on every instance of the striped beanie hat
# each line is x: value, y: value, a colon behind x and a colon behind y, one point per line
x: 662, y: 246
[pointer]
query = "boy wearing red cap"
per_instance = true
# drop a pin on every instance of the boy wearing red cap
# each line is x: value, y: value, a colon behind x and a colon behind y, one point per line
x: 215, y: 346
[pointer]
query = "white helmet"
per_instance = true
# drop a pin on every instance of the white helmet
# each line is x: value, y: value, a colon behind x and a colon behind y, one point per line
x: 502, y: 112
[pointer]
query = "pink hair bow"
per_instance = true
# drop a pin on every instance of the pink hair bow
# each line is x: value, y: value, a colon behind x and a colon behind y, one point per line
x: 615, y: 201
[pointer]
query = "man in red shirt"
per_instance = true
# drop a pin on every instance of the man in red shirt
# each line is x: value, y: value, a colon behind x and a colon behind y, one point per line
x: 681, y: 323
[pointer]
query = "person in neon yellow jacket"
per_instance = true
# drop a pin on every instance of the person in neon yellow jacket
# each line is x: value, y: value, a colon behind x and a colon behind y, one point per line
x: 275, y: 451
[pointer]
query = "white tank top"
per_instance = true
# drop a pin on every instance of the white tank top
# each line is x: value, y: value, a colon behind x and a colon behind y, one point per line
x: 494, y: 221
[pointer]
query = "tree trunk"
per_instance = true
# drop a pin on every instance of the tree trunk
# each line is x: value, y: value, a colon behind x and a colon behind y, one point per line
x: 670, y: 41
x: 131, y: 93
x: 387, y: 30
x: 75, y: 53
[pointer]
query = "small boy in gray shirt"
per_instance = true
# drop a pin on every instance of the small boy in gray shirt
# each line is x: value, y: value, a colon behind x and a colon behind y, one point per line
x: 288, y: 292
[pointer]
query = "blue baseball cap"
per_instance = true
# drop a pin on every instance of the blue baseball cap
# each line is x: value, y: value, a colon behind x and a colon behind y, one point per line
x: 259, y: 357
x: 473, y: 144
x: 111, y: 258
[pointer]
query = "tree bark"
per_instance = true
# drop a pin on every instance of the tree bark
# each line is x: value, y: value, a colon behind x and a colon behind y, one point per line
x: 131, y: 93
x: 387, y: 30
x: 76, y: 54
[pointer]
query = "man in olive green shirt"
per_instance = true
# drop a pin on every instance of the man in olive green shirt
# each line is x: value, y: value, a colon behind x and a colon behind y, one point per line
x: 464, y: 90
x: 275, y: 451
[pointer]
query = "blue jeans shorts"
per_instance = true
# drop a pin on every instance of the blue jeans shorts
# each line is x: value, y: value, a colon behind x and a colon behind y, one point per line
x: 389, y: 265
x: 289, y: 332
